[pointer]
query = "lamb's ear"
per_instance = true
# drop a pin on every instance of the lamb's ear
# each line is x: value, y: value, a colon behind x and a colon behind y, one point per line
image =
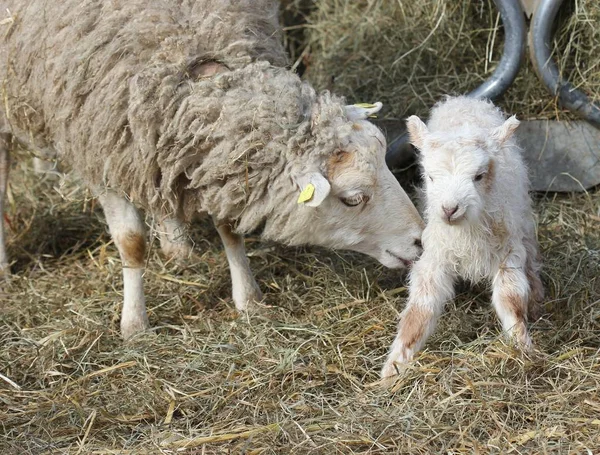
x: 314, y: 188
x: 417, y: 131
x: 505, y: 131
x: 362, y: 111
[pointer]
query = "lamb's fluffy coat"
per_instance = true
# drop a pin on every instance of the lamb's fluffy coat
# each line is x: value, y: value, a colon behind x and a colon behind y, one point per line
x: 479, y: 217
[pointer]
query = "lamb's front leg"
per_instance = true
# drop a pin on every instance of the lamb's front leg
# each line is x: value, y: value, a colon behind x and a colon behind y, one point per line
x: 431, y: 286
x: 245, y: 290
x: 510, y: 294
x: 127, y: 230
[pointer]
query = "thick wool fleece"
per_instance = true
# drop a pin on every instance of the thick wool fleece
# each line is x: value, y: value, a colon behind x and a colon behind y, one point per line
x: 114, y: 88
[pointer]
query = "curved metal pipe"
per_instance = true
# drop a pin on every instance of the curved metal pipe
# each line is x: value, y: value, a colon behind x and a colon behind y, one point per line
x: 540, y: 36
x: 400, y: 151
x: 514, y: 50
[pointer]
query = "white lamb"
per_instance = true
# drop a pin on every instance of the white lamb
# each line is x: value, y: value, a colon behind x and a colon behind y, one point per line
x: 479, y: 219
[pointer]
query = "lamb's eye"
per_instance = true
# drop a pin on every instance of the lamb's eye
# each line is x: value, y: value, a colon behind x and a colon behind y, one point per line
x: 353, y: 201
x: 430, y: 178
x: 478, y: 177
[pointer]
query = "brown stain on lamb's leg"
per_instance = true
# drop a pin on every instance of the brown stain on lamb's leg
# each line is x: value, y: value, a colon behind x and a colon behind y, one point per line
x: 517, y: 305
x: 132, y: 246
x: 413, y: 326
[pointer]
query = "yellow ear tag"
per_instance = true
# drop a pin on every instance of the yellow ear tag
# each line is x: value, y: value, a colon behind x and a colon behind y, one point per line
x: 365, y: 105
x: 306, y: 194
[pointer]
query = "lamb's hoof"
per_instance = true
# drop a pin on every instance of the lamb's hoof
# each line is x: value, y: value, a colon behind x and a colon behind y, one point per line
x: 131, y: 328
x: 392, y: 368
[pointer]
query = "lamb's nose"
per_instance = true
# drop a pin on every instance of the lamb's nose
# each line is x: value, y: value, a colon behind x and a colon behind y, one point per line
x: 450, y: 211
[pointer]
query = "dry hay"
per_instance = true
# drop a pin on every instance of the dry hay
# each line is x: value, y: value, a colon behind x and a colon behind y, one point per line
x: 408, y: 54
x: 300, y: 376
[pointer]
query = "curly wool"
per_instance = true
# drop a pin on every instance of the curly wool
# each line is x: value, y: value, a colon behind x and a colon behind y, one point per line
x: 112, y: 87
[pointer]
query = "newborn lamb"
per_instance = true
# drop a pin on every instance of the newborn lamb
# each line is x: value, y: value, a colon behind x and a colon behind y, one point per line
x: 480, y: 224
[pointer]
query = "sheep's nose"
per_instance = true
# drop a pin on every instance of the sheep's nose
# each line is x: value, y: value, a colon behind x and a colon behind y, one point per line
x: 450, y: 211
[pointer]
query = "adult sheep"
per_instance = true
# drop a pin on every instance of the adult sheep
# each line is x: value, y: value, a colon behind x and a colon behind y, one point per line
x: 184, y: 107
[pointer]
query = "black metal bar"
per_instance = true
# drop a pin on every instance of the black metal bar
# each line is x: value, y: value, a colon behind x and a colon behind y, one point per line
x: 400, y: 151
x: 540, y: 36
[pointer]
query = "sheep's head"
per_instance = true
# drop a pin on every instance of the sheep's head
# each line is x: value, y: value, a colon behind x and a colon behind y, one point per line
x: 459, y: 168
x: 350, y: 199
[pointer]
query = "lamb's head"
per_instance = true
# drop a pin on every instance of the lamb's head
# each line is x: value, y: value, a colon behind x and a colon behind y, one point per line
x: 459, y: 168
x: 350, y: 200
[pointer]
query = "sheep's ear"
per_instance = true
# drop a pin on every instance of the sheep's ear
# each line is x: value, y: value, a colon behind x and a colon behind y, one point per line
x: 417, y: 131
x: 314, y: 188
x: 362, y: 111
x: 505, y: 131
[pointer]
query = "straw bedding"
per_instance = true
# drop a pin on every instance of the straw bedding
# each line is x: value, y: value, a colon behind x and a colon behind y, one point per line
x: 301, y: 376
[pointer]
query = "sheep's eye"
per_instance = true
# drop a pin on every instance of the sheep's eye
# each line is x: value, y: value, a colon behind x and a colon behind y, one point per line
x: 355, y: 200
x: 478, y: 177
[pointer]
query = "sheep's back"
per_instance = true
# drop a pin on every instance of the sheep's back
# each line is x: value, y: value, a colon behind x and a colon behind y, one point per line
x: 68, y: 66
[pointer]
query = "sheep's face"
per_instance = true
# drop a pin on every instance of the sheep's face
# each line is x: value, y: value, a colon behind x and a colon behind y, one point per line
x: 358, y: 204
x: 458, y: 169
x: 458, y: 177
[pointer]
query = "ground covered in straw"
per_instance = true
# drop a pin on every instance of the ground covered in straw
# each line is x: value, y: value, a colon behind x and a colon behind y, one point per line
x: 301, y: 375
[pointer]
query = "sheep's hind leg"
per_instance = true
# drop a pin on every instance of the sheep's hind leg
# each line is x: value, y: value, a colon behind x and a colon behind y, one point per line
x: 245, y: 290
x: 128, y: 233
x: 431, y: 287
x: 510, y: 295
x: 174, y: 239
x: 4, y: 168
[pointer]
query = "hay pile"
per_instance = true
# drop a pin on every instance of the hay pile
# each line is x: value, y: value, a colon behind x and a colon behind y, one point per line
x: 409, y: 53
x: 301, y: 376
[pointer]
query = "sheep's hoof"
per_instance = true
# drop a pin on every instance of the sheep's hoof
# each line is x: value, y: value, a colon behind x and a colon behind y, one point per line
x: 133, y: 327
x: 250, y: 303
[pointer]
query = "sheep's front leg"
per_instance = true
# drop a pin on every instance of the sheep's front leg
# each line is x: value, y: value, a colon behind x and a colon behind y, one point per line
x: 128, y: 233
x: 430, y: 288
x: 510, y: 294
x: 174, y: 239
x: 4, y: 168
x: 245, y: 290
